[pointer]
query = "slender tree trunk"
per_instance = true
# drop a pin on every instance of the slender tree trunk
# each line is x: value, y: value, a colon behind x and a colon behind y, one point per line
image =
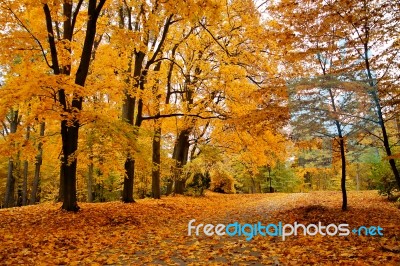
x: 170, y: 185
x: 140, y: 74
x: 89, y: 197
x: 10, y: 183
x: 342, y: 152
x: 253, y: 185
x: 385, y: 137
x: 397, y: 119
x: 156, y: 158
x: 358, y: 177
x: 35, y: 185
x: 38, y: 163
x: 343, y: 180
x: 155, y: 183
x: 25, y: 184
x: 25, y: 175
x: 381, y: 120
x: 90, y: 183
x: 170, y: 181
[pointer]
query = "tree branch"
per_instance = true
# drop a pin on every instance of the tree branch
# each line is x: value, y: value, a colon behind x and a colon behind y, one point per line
x: 52, y: 43
x: 175, y: 115
x: 33, y: 36
x: 214, y: 38
x: 99, y: 7
x: 75, y: 15
x: 163, y: 37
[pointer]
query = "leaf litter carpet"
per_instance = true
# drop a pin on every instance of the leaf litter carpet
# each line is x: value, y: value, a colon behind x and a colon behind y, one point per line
x: 155, y: 232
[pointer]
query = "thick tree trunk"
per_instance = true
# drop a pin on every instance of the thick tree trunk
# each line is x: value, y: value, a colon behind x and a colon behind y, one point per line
x: 127, y: 192
x: 70, y: 144
x: 181, y: 150
x: 61, y: 187
x: 38, y: 163
x: 128, y: 111
x: 70, y: 133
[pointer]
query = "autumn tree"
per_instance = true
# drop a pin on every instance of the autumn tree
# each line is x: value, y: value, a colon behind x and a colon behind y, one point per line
x: 349, y: 30
x: 50, y: 27
x: 370, y: 31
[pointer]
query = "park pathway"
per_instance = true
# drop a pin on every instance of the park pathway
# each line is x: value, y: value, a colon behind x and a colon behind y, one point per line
x: 219, y: 250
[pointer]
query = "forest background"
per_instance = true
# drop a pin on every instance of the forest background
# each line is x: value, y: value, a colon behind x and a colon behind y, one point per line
x: 109, y: 100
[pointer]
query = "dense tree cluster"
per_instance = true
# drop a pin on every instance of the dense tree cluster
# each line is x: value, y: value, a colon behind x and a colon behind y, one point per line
x: 102, y: 99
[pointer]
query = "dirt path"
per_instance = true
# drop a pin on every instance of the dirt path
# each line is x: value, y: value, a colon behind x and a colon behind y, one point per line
x: 218, y: 250
x: 308, y: 208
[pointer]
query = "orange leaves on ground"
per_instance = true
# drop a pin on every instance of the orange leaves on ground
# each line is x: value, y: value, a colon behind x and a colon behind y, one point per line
x: 156, y: 231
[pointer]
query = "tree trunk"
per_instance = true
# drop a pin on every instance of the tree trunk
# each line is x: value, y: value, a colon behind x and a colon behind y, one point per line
x: 25, y: 184
x: 170, y: 185
x: 343, y: 181
x: 70, y: 144
x: 381, y: 120
x: 385, y: 138
x: 156, y: 158
x: 155, y: 182
x: 253, y: 185
x: 139, y: 73
x: 25, y: 174
x: 127, y: 115
x: 61, y: 187
x: 127, y: 192
x: 70, y: 129
x: 358, y: 177
x: 90, y: 183
x: 342, y: 152
x: 128, y: 111
x: 38, y: 163
x: 10, y: 183
x: 181, y: 150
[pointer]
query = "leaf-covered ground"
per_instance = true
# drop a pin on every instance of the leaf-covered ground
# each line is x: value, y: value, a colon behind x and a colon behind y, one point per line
x: 155, y: 232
